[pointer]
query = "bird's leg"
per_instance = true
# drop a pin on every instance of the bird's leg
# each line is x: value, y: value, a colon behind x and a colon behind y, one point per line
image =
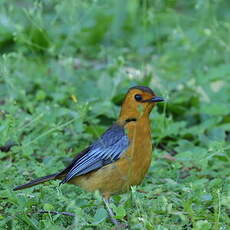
x: 110, y: 212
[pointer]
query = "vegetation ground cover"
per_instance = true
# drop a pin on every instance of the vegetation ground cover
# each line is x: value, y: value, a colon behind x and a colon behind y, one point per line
x: 64, y: 69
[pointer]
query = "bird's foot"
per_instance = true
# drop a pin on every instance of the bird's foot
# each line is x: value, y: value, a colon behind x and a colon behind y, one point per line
x: 118, y: 225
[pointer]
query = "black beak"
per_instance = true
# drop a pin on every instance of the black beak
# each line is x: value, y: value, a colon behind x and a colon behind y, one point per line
x: 154, y: 99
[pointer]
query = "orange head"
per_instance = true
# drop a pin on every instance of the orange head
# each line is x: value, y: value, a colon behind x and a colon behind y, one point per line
x: 139, y: 102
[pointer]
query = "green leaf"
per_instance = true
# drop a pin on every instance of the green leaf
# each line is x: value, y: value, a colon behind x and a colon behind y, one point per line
x: 202, y: 225
x: 120, y: 211
x: 100, y: 216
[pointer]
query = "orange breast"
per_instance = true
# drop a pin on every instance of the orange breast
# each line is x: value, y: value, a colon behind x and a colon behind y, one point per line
x: 129, y: 170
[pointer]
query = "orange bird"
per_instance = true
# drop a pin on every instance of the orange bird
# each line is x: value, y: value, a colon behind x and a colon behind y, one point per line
x: 120, y: 158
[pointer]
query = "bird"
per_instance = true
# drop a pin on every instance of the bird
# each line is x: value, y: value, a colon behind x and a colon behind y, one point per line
x: 117, y: 160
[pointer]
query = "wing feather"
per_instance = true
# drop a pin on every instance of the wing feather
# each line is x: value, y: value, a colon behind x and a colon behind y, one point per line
x: 107, y: 149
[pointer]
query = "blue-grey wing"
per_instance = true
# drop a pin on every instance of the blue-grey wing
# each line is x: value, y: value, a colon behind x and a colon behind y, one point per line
x: 107, y: 149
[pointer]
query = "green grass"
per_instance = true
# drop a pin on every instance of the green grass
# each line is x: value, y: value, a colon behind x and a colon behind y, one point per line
x: 64, y: 69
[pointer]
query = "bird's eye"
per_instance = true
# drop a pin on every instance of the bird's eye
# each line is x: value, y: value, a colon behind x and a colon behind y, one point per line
x: 138, y: 97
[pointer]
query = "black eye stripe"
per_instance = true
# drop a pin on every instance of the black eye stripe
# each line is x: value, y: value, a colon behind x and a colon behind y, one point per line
x: 130, y: 119
x: 138, y: 97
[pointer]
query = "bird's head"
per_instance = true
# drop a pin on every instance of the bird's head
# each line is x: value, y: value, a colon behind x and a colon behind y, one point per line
x: 139, y: 101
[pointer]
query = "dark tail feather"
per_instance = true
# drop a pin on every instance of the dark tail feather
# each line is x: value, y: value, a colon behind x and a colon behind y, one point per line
x: 37, y: 181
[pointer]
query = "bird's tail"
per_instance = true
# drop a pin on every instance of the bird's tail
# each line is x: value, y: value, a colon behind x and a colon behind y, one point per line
x: 37, y: 181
